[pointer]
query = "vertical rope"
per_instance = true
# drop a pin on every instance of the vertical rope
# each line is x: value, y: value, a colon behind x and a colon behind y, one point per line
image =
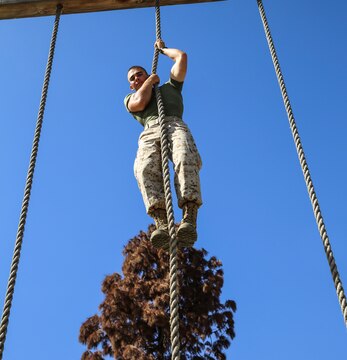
x: 174, y: 296
x: 312, y: 194
x: 27, y: 190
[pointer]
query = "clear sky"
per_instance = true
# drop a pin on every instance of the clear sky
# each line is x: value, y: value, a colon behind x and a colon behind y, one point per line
x: 256, y: 217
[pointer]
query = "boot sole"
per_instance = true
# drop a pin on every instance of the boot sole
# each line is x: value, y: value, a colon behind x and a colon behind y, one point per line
x: 160, y: 240
x: 186, y: 236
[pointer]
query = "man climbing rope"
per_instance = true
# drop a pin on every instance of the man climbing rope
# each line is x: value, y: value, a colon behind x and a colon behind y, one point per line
x: 183, y: 152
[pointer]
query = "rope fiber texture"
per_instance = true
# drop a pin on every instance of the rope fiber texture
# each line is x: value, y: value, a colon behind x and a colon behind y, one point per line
x: 312, y: 194
x: 27, y: 190
x: 174, y: 295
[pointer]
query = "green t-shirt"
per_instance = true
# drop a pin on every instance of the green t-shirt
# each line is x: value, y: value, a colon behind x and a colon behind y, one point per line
x: 171, y: 93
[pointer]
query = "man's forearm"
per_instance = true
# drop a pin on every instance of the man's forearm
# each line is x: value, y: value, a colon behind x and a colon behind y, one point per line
x: 141, y: 98
x: 173, y: 54
x: 179, y: 69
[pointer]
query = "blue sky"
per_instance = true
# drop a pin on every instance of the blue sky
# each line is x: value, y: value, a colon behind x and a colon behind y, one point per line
x: 256, y: 217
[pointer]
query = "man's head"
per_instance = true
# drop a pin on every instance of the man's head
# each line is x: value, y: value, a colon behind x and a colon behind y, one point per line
x: 137, y: 75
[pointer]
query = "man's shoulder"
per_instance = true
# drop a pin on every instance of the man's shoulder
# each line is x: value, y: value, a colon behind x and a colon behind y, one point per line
x: 126, y: 101
x: 127, y: 97
x: 174, y: 83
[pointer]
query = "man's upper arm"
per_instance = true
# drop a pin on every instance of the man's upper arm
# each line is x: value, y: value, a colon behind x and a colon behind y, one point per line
x: 179, y: 69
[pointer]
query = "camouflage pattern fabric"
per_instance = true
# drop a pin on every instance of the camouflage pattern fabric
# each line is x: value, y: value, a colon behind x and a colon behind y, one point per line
x: 186, y: 161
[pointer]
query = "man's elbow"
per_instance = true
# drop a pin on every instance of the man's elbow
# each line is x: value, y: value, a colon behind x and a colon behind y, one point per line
x: 182, y: 60
x: 183, y: 56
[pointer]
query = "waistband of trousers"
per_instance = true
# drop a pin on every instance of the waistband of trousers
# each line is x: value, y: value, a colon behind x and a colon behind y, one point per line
x: 155, y: 121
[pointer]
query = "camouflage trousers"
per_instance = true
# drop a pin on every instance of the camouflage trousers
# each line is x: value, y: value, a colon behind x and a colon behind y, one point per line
x: 185, y: 158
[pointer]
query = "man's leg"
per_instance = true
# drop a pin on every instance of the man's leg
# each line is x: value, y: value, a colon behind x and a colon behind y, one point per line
x: 148, y: 173
x: 187, y: 164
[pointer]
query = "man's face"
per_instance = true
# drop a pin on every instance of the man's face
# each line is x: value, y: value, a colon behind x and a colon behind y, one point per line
x: 136, y: 78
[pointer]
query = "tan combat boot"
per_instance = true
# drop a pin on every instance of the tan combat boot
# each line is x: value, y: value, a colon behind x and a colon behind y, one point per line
x: 160, y: 237
x: 186, y: 233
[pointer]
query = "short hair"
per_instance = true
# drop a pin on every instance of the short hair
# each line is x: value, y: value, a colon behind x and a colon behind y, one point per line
x: 138, y: 67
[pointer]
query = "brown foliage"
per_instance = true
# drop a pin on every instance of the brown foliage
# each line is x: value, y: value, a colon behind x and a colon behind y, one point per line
x: 134, y: 320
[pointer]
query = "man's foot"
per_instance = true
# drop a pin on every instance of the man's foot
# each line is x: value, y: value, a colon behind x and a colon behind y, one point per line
x: 186, y: 235
x: 160, y: 239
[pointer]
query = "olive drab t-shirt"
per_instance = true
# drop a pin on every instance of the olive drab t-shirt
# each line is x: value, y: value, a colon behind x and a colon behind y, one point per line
x: 171, y: 93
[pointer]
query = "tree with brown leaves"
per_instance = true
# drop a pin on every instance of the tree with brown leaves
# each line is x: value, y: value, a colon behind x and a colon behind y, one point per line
x: 134, y: 317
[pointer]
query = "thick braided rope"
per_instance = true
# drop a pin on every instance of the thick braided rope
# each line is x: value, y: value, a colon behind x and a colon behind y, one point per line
x: 314, y: 201
x: 174, y: 296
x: 27, y: 190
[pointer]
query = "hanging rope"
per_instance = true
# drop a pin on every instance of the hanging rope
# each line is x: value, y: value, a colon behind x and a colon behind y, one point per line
x: 174, y: 298
x: 314, y: 201
x: 27, y: 190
